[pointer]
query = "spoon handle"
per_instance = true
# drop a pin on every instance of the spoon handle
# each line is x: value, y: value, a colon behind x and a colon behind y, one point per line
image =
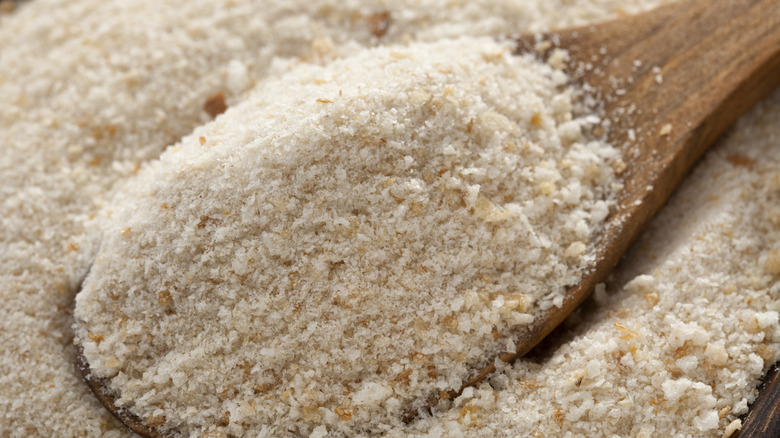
x: 675, y: 80
x: 715, y: 59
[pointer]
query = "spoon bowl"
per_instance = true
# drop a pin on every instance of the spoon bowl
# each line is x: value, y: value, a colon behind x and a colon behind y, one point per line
x: 99, y: 388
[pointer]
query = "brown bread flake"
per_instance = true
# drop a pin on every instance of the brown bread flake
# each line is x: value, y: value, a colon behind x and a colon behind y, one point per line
x: 741, y: 161
x: 215, y: 105
x: 379, y: 23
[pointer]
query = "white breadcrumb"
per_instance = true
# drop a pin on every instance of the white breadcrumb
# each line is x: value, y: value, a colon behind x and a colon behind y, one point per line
x: 346, y: 242
x: 92, y: 89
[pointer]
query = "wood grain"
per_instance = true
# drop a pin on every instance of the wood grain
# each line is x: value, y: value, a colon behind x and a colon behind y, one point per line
x: 763, y: 420
x: 715, y: 58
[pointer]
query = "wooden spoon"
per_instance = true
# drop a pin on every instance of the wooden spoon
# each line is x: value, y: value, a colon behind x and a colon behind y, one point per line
x: 671, y: 81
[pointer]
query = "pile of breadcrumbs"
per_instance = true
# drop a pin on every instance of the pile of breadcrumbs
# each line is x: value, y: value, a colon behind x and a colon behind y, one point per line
x: 94, y: 92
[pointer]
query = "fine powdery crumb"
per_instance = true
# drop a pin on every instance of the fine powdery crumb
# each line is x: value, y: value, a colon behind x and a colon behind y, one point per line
x: 347, y: 242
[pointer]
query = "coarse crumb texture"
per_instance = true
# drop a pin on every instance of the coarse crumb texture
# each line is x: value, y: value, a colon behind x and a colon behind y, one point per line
x: 674, y: 344
x: 346, y: 242
x: 93, y: 89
